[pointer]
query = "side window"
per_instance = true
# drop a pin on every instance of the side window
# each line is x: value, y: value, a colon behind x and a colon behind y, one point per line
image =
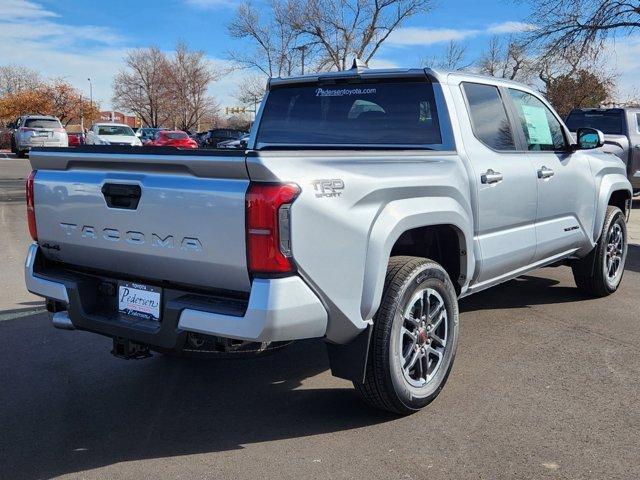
x: 488, y: 116
x: 638, y: 122
x: 541, y: 128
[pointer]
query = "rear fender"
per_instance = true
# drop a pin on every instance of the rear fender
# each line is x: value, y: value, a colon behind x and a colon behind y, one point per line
x: 402, y: 215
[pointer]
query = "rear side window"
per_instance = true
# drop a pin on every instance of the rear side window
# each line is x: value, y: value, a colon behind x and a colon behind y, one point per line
x: 488, y: 116
x: 610, y: 122
x: 541, y: 128
x: 370, y: 114
x: 42, y: 123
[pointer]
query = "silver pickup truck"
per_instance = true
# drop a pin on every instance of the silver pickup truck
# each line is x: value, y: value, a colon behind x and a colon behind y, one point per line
x: 621, y: 128
x: 367, y: 202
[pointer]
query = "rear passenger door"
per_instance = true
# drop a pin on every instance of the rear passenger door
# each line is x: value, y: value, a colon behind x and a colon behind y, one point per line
x: 566, y: 200
x: 505, y: 181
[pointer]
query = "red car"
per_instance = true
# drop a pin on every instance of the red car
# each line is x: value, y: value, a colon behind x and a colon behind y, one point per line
x: 172, y: 138
x: 75, y: 139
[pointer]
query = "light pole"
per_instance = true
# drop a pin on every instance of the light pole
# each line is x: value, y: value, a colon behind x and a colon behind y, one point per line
x: 90, y: 94
x: 81, y: 113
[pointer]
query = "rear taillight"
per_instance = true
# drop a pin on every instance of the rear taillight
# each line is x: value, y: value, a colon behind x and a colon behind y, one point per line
x: 268, y: 227
x: 31, y: 211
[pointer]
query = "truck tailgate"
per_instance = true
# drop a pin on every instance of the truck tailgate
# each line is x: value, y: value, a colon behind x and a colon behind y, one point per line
x: 176, y: 217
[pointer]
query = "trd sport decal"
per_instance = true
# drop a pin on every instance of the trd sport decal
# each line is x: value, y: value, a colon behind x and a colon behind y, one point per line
x: 330, y: 188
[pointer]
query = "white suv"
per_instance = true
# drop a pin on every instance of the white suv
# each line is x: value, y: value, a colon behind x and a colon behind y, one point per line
x: 112, y: 134
x: 37, y: 131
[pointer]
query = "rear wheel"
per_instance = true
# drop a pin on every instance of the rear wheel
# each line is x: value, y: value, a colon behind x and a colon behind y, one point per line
x: 599, y: 274
x: 21, y: 153
x: 415, y: 334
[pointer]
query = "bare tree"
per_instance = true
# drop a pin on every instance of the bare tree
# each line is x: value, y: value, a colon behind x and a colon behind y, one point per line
x: 564, y: 24
x: 346, y: 28
x: 251, y: 90
x: 142, y: 87
x: 189, y: 77
x: 16, y: 78
x: 277, y: 51
x: 454, y: 58
x: 324, y: 34
x: 508, y: 60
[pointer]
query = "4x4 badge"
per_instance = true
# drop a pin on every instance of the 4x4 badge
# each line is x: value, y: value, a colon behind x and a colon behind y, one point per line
x: 328, y: 188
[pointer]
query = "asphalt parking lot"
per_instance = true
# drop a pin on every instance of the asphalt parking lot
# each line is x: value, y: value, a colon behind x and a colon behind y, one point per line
x: 545, y: 385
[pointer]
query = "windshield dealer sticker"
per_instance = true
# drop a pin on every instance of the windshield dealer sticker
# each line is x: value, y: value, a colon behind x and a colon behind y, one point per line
x: 326, y: 92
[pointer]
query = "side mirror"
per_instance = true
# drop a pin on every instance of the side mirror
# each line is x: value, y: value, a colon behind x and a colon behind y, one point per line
x: 589, y: 138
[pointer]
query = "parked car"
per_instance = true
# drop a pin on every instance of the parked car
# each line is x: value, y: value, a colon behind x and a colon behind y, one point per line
x: 363, y: 208
x: 31, y: 131
x: 239, y: 143
x: 76, y: 135
x: 146, y: 134
x: 200, y: 137
x: 621, y: 128
x: 172, y: 138
x: 215, y: 136
x: 112, y: 134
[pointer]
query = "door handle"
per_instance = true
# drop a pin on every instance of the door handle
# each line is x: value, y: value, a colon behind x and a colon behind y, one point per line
x: 491, y: 177
x: 121, y: 196
x: 545, y: 172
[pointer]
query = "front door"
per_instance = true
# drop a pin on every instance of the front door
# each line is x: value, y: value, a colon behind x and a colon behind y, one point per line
x: 565, y: 184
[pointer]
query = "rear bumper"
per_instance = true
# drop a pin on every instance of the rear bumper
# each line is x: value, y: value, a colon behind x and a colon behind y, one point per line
x: 28, y: 145
x: 277, y: 309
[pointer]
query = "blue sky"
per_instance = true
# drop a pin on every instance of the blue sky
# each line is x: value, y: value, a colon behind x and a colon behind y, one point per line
x: 76, y: 39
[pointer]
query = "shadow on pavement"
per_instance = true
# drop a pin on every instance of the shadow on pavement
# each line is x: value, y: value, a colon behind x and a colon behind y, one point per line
x: 68, y: 405
x: 633, y: 259
x: 521, y: 292
x: 533, y: 290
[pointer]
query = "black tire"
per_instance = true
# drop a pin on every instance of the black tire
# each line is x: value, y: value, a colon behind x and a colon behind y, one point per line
x: 589, y: 272
x: 386, y: 385
x: 21, y: 154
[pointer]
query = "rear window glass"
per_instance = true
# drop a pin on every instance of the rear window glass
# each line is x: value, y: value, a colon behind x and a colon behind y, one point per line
x: 607, y: 122
x: 42, y: 123
x: 115, y: 130
x: 390, y: 113
x: 176, y: 135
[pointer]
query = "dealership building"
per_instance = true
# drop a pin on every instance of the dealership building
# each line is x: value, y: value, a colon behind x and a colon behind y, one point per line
x: 119, y: 117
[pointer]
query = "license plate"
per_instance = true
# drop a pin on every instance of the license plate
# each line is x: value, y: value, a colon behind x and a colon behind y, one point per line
x: 41, y: 134
x: 137, y: 300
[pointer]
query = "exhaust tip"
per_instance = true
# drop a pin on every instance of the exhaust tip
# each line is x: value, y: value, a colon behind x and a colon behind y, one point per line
x: 61, y: 320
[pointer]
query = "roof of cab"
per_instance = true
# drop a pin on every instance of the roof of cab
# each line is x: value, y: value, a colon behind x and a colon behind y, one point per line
x: 440, y: 76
